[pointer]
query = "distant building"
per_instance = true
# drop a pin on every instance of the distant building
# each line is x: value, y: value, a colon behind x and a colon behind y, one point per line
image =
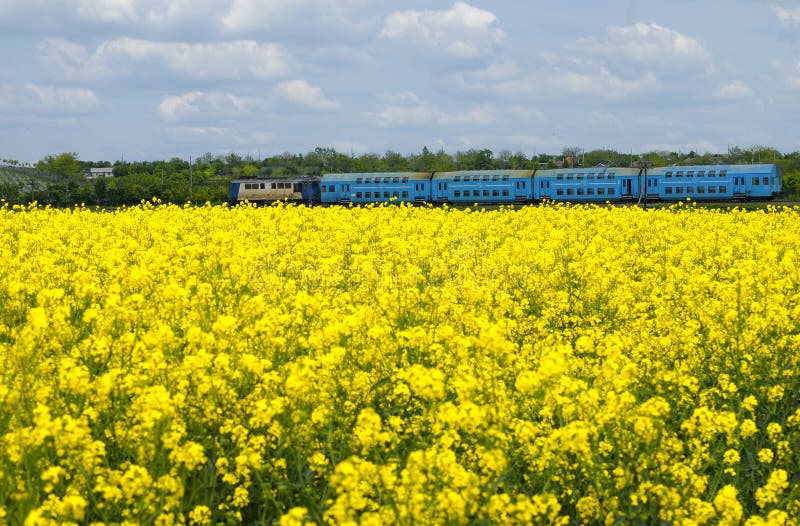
x: 97, y: 173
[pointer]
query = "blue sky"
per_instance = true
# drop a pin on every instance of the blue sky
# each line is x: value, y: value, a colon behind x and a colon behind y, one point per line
x: 153, y: 79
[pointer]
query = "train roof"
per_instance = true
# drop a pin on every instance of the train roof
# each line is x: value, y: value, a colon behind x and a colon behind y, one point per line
x: 731, y: 168
x: 295, y: 179
x: 353, y: 176
x: 519, y: 174
x: 618, y: 171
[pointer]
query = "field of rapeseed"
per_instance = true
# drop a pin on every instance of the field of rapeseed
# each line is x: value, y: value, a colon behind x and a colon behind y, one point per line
x: 292, y: 365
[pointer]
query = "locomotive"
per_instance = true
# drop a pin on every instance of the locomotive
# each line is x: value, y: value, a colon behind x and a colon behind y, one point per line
x: 576, y: 185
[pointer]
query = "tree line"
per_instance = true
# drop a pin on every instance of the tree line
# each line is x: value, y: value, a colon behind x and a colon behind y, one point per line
x: 60, y: 179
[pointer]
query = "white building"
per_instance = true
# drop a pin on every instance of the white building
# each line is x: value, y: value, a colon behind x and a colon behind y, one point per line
x: 97, y: 173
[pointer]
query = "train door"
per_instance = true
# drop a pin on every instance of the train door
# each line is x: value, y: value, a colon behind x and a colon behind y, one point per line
x: 521, y: 189
x: 419, y: 191
x: 627, y: 186
x: 739, y: 187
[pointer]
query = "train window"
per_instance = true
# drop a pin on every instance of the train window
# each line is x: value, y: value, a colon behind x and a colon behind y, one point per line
x: 679, y: 190
x: 712, y: 173
x: 475, y: 193
x: 723, y: 189
x: 495, y: 193
x: 579, y: 177
x: 395, y: 179
x: 668, y: 190
x: 610, y: 191
x: 486, y: 193
x: 560, y: 191
x: 359, y: 180
x: 358, y: 195
x: 723, y: 173
x: 690, y: 173
x: 385, y: 179
x: 456, y: 193
x: 395, y: 194
x: 570, y: 177
x: 668, y: 175
x: 405, y: 179
x: 712, y: 190
x: 701, y: 190
x: 368, y: 180
x: 386, y: 195
x: 457, y: 178
x: 679, y: 174
x: 701, y: 173
x: 485, y: 177
x: 689, y: 190
x: 590, y: 191
x: 541, y: 184
x: 505, y: 178
x: 505, y: 193
x: 495, y: 178
x: 560, y: 176
x: 368, y: 195
x: 755, y: 181
x: 580, y: 191
x: 601, y: 191
x: 590, y: 176
x: 273, y: 186
x: 601, y: 176
x: 570, y: 191
x: 263, y: 186
x: 766, y: 180
x: 611, y: 175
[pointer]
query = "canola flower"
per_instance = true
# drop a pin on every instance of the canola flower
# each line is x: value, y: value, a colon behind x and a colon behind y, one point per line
x: 399, y: 365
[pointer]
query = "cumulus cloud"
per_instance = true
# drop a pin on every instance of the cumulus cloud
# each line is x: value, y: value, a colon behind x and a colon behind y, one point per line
x: 302, y: 93
x: 463, y: 31
x: 124, y: 56
x: 50, y: 100
x: 786, y: 15
x: 206, y: 105
x: 733, y: 91
x: 648, y: 46
x: 249, y: 15
x: 224, y: 138
x: 408, y: 110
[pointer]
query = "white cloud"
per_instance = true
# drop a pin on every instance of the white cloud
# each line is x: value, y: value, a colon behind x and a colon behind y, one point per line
x: 786, y: 15
x: 733, y: 91
x: 225, y: 139
x: 49, y: 100
x: 794, y: 76
x: 205, y: 105
x: 300, y: 15
x: 604, y: 84
x: 408, y: 110
x: 648, y: 46
x: 462, y: 31
x: 124, y: 56
x: 302, y: 93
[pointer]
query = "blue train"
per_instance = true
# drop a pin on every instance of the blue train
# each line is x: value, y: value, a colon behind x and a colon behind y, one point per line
x: 577, y: 185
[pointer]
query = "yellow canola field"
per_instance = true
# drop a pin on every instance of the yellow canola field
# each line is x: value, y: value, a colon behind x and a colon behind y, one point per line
x: 399, y: 365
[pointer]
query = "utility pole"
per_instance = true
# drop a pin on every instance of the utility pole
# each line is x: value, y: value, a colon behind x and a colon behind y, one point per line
x: 190, y: 177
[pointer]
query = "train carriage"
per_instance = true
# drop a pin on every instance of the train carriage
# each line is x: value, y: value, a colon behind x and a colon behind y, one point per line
x: 714, y: 182
x: 596, y: 184
x: 377, y: 187
x: 482, y: 186
x: 298, y: 189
